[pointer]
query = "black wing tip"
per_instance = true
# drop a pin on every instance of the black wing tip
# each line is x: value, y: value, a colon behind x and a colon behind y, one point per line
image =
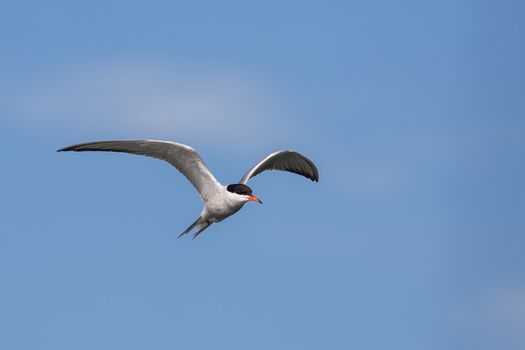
x: 94, y: 146
x: 77, y: 147
x: 86, y: 146
x: 68, y: 148
x: 315, y: 176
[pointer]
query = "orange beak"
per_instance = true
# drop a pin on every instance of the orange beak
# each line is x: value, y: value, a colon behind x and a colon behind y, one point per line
x: 255, y: 199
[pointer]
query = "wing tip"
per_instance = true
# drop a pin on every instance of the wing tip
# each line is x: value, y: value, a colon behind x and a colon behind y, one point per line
x: 65, y: 149
x: 315, y: 173
x: 88, y: 146
x: 313, y: 178
x: 310, y: 173
x: 74, y: 148
x: 77, y: 147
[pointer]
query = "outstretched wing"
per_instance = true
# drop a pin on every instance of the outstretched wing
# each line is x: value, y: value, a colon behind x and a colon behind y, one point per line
x: 182, y: 157
x: 287, y: 161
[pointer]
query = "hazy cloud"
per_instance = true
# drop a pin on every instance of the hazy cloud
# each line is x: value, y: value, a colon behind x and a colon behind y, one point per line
x: 506, y: 307
x: 149, y: 99
x: 494, y: 316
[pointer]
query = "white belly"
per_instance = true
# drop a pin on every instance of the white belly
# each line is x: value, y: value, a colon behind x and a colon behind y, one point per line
x: 220, y: 207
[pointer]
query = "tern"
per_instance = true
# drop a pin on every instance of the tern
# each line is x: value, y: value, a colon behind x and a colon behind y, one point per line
x: 220, y: 201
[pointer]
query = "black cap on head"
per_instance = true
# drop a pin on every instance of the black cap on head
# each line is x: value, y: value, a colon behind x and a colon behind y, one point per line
x: 240, y: 189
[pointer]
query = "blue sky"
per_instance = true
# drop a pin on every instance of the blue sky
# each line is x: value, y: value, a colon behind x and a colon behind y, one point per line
x: 412, y: 110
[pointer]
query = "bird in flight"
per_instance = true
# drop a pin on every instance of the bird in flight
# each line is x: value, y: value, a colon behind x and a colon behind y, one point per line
x: 220, y: 201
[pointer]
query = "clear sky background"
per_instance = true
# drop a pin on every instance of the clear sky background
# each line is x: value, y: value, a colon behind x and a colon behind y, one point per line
x: 414, y: 112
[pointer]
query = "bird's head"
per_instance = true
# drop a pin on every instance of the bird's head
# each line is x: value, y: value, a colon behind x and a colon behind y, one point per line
x: 244, y: 191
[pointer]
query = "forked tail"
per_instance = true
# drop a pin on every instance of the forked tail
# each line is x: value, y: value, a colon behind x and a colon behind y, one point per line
x: 203, y: 225
x: 190, y: 227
